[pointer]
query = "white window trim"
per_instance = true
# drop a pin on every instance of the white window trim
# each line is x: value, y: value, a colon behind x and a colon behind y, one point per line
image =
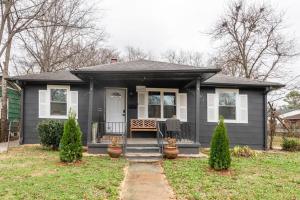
x: 225, y: 90
x: 67, y: 87
x: 162, y: 90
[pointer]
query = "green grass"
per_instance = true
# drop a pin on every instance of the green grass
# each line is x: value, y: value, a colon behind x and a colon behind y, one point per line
x: 34, y: 173
x: 267, y: 176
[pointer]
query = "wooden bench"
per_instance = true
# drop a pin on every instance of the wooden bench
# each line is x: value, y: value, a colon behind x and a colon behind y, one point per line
x: 142, y: 125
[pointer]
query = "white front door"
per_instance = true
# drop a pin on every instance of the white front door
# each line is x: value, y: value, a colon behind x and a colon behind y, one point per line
x: 115, y: 110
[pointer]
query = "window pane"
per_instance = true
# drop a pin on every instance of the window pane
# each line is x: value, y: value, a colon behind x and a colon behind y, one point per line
x: 154, y: 105
x: 58, y: 102
x: 169, y: 98
x: 227, y: 99
x: 154, y: 98
x: 154, y: 111
x: 169, y: 104
x: 228, y: 112
x: 58, y: 108
x: 58, y: 95
x: 169, y: 111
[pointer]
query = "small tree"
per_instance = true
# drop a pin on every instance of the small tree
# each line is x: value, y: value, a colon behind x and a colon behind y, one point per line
x: 219, y: 148
x: 70, y: 143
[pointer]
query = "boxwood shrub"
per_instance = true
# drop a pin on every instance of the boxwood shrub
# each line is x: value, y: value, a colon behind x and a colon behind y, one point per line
x: 290, y: 144
x: 50, y: 132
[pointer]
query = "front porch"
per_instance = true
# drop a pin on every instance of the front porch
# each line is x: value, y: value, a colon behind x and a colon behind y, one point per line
x: 146, y: 90
x: 103, y: 132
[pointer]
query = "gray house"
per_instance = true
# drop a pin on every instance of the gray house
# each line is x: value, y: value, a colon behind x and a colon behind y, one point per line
x: 108, y: 97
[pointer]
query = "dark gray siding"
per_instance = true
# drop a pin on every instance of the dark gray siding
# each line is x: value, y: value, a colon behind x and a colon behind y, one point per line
x: 31, y: 118
x: 251, y: 134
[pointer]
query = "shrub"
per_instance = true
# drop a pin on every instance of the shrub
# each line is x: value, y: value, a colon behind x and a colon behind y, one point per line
x: 219, y: 157
x: 243, y: 151
x: 70, y: 143
x: 50, y: 132
x: 290, y: 144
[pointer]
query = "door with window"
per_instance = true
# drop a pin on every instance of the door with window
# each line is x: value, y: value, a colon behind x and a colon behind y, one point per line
x: 115, y: 111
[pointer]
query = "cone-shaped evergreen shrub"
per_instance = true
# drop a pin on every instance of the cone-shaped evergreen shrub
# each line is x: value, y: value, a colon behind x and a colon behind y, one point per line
x: 70, y: 143
x: 219, y: 148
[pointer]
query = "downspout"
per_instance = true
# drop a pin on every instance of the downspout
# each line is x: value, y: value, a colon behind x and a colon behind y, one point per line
x: 267, y: 90
x: 21, y: 137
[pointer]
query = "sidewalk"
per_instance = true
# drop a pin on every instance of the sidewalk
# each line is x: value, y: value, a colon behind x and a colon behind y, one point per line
x: 145, y: 181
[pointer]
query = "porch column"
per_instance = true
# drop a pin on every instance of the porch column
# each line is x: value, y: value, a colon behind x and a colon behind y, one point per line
x: 197, y: 123
x: 90, y: 112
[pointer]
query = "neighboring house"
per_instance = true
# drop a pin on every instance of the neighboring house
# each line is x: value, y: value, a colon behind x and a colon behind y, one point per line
x: 113, y: 94
x: 13, y: 101
x: 292, y: 119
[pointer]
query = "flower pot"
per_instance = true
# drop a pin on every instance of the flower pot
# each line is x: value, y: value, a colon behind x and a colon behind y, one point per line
x: 114, y: 151
x: 171, y: 152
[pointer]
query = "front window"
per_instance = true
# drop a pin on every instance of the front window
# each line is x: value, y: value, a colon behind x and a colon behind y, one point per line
x: 58, y: 101
x: 161, y: 104
x: 227, y: 105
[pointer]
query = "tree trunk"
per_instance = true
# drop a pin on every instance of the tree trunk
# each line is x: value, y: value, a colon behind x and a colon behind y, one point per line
x: 4, y: 115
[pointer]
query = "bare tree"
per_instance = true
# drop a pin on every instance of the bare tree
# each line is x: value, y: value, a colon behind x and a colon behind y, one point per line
x: 16, y: 16
x: 66, y: 32
x: 184, y: 57
x: 92, y: 56
x: 134, y: 53
x: 253, y: 44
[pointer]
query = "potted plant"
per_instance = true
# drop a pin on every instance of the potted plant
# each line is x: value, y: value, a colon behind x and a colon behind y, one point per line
x: 170, y: 150
x: 114, y: 150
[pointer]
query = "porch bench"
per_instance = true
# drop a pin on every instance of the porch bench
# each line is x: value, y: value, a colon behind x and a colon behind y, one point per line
x: 142, y: 125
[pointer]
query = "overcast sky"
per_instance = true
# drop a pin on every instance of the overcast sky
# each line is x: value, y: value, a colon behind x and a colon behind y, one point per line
x: 159, y: 25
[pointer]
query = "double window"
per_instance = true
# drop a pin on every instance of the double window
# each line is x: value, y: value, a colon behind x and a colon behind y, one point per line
x: 161, y: 105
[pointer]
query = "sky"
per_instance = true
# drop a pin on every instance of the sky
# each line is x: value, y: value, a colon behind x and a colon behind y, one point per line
x: 159, y: 25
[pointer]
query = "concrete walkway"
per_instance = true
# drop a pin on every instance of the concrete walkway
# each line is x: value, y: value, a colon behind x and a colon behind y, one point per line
x: 3, y: 146
x: 145, y: 181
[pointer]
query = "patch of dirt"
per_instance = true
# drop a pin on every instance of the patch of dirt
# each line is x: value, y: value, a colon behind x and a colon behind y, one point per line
x: 224, y: 172
x: 42, y: 173
x: 76, y: 163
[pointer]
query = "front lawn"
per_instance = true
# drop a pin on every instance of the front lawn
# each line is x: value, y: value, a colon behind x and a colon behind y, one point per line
x: 34, y: 173
x: 267, y: 176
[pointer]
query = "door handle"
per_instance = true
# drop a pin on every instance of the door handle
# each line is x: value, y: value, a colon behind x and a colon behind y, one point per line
x: 124, y: 112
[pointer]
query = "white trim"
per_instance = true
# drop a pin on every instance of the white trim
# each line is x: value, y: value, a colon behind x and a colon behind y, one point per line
x: 237, y: 104
x: 49, y: 116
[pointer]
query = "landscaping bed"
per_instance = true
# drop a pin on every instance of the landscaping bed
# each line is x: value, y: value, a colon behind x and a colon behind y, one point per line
x: 30, y: 172
x: 266, y: 176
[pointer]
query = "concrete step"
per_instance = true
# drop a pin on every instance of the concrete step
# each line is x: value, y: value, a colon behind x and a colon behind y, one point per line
x: 138, y: 149
x: 142, y: 160
x: 144, y: 157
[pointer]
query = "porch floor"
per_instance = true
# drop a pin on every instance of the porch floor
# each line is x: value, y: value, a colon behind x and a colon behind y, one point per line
x: 144, y: 141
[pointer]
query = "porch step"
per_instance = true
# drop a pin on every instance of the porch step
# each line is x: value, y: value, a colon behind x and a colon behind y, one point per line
x: 138, y: 149
x: 144, y: 157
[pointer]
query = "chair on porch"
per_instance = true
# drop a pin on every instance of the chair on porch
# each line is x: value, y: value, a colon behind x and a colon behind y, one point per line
x: 173, y: 127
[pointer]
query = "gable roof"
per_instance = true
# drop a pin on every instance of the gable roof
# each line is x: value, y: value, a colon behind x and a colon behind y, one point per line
x: 144, y: 66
